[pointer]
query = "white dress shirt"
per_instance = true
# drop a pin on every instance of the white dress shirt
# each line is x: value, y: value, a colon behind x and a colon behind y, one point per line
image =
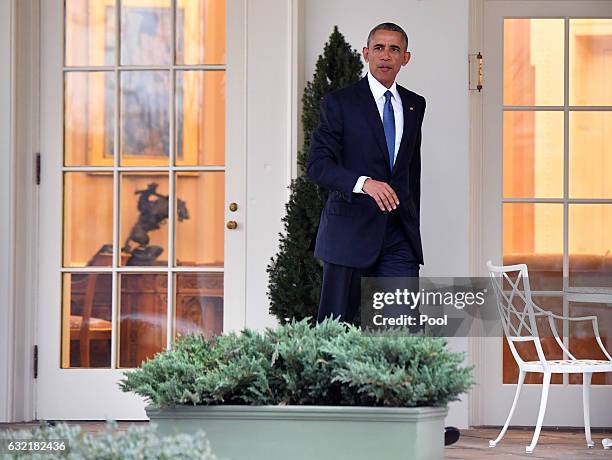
x: 378, y: 91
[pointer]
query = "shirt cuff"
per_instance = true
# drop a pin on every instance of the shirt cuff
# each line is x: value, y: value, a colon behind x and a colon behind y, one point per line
x: 359, y: 184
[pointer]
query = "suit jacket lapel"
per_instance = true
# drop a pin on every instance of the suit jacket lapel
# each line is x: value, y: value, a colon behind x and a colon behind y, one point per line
x: 373, y: 117
x: 410, y: 121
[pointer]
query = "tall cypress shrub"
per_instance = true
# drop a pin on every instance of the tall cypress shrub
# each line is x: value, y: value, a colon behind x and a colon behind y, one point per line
x: 294, y: 274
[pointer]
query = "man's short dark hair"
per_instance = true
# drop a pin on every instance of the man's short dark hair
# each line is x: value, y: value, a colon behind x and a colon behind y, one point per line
x: 391, y: 27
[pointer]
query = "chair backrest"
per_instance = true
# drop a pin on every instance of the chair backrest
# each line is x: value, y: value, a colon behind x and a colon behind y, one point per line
x: 513, y: 293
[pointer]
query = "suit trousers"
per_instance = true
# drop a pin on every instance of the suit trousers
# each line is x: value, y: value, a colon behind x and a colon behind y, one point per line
x: 341, y: 286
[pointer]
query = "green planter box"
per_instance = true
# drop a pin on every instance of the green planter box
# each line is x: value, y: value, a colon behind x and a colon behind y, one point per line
x: 311, y: 432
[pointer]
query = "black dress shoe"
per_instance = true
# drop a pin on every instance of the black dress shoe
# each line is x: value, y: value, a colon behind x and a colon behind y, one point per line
x: 451, y: 435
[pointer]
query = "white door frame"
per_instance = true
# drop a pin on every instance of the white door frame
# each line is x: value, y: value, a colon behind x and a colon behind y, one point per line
x: 476, y: 345
x: 19, y: 208
x: 490, y: 400
x: 7, y: 235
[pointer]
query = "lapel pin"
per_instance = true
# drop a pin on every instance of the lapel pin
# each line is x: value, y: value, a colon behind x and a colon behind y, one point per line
x: 411, y: 108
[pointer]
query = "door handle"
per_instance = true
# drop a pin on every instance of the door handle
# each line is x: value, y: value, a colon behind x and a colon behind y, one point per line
x: 231, y: 224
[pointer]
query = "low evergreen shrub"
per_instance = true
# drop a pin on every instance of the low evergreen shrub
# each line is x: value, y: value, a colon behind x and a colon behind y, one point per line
x: 137, y: 443
x: 331, y: 363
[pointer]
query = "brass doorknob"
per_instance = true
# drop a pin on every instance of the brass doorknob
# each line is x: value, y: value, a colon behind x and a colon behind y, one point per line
x: 232, y: 224
x: 233, y: 207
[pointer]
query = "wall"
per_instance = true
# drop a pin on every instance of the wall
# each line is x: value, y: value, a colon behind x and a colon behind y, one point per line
x: 270, y: 142
x: 438, y: 39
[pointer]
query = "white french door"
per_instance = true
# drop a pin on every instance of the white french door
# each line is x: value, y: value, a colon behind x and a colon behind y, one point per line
x: 548, y: 193
x: 142, y: 191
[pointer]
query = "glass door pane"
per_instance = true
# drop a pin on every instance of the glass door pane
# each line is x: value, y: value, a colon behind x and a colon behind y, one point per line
x: 144, y: 120
x: 89, y: 111
x: 590, y: 62
x: 590, y: 153
x: 533, y: 154
x: 533, y: 234
x: 86, y: 320
x: 200, y: 216
x: 89, y: 32
x: 143, y: 217
x: 200, y: 118
x: 533, y: 62
x: 200, y: 32
x: 88, y: 219
x: 142, y: 316
x: 199, y: 303
x: 146, y: 32
x: 590, y: 245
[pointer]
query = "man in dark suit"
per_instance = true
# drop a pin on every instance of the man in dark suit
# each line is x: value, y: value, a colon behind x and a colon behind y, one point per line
x: 366, y: 152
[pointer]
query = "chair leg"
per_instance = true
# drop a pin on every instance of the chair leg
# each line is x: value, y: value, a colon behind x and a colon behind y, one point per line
x: 586, y: 402
x: 519, y: 385
x: 536, y: 434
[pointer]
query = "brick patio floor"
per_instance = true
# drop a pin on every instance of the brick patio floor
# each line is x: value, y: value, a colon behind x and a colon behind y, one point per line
x: 473, y: 444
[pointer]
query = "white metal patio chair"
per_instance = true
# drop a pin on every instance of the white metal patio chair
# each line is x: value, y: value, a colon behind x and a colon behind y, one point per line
x: 518, y: 316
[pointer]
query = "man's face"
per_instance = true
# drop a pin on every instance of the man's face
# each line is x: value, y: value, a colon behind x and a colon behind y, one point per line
x: 385, y: 55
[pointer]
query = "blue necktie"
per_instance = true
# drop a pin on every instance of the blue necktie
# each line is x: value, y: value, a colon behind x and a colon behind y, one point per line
x: 389, y: 127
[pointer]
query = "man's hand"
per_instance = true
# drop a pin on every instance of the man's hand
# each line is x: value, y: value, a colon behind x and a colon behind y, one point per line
x: 383, y: 194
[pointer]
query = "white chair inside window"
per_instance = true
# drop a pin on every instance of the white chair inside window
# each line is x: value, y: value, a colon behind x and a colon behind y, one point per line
x: 518, y: 316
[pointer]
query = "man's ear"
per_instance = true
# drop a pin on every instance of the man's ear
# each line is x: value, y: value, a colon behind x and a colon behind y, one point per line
x: 407, y: 57
x: 366, y: 52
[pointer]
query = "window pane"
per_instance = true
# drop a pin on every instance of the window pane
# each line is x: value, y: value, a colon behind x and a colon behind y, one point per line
x: 533, y: 154
x: 144, y: 219
x: 146, y: 32
x: 590, y: 42
x: 88, y: 219
x: 582, y: 342
x: 89, y: 110
x: 200, y: 31
x: 86, y: 320
x: 199, y: 304
x: 528, y: 351
x: 590, y: 154
x: 142, y: 317
x: 590, y: 245
x: 200, y: 218
x: 533, y: 61
x: 533, y: 234
x: 200, y: 118
x: 145, y: 125
x: 90, y: 32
